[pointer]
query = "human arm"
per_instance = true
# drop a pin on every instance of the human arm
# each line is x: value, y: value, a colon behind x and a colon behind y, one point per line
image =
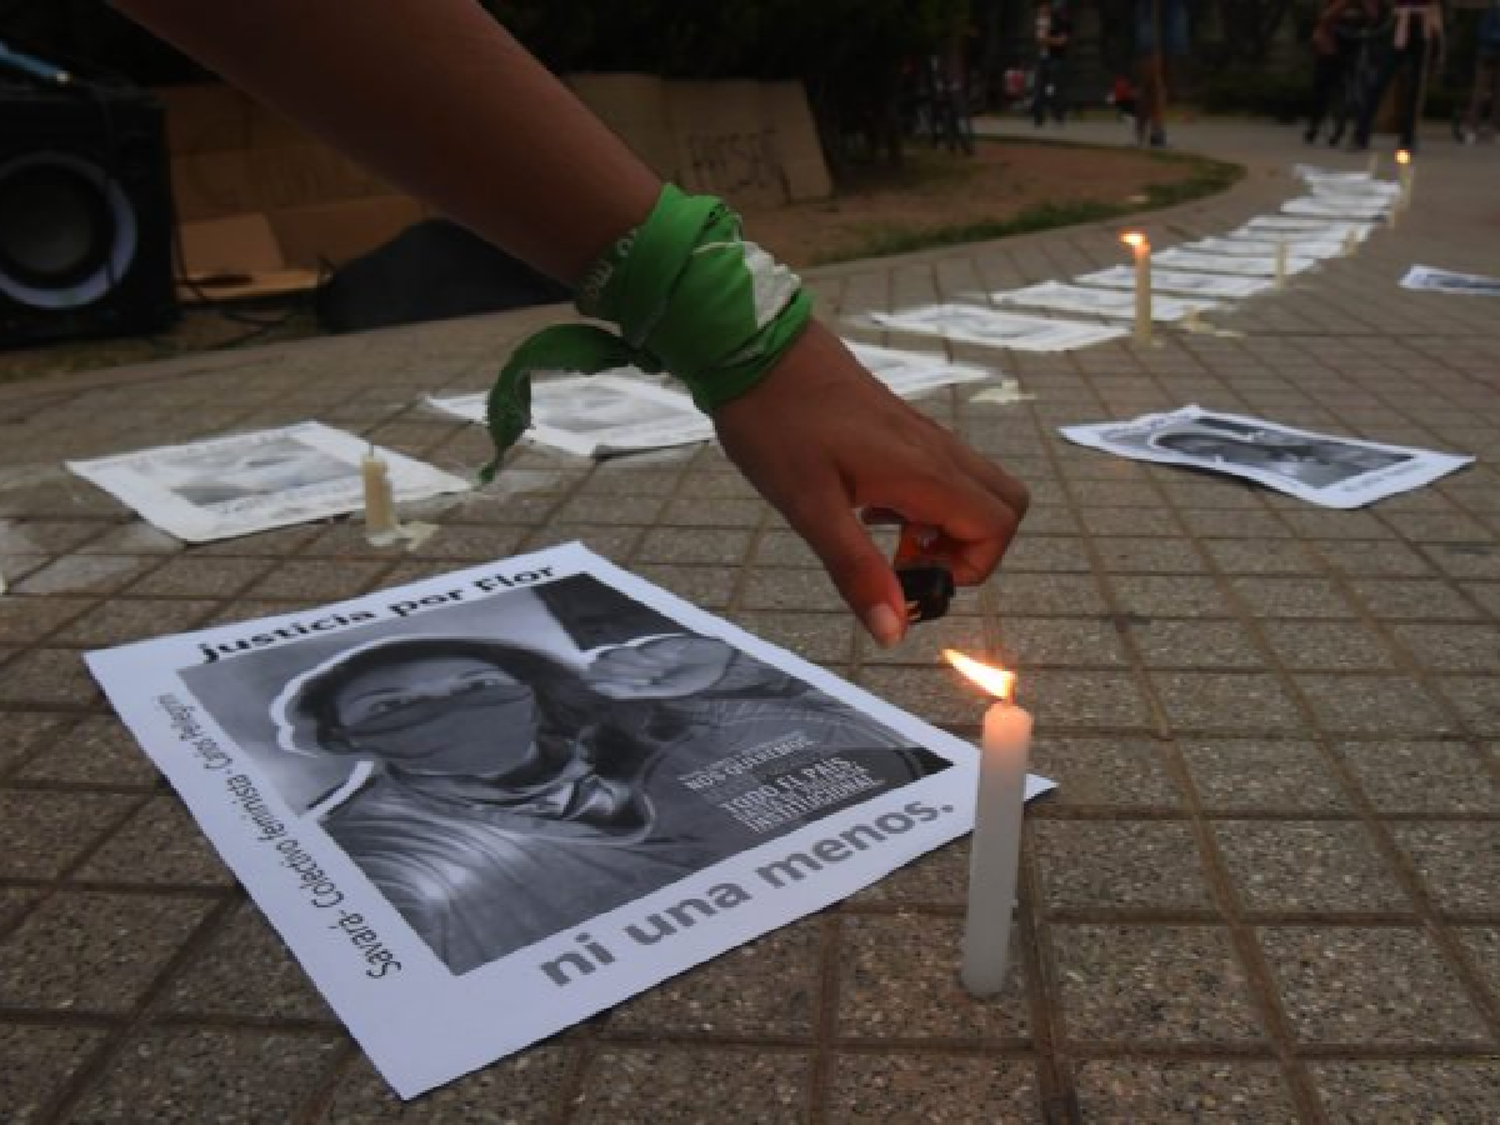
x: 438, y: 98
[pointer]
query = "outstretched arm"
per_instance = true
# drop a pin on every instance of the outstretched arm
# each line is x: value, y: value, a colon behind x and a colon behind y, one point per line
x: 439, y: 99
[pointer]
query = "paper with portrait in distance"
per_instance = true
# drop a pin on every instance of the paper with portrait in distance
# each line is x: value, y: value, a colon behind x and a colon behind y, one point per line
x: 1324, y: 469
x: 220, y: 488
x: 485, y: 806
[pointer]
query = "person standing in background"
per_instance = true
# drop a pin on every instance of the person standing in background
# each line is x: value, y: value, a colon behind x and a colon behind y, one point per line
x: 1416, y: 32
x: 1482, y: 119
x: 1054, y: 28
x: 1336, y: 46
x: 1161, y: 34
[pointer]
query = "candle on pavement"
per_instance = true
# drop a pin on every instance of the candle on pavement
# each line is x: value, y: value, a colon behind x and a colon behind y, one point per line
x: 1407, y: 175
x: 1280, y: 263
x: 994, y: 850
x: 1140, y: 245
x: 380, y: 501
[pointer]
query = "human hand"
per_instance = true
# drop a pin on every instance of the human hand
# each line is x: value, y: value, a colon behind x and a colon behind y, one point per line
x: 665, y: 668
x: 820, y: 437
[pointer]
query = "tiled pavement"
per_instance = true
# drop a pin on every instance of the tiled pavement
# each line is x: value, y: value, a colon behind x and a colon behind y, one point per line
x: 1268, y: 888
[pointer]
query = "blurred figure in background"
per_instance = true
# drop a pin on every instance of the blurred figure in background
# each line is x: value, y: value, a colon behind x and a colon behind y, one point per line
x: 1161, y: 35
x: 1482, y: 119
x: 1416, y: 35
x: 1338, y: 40
x: 1054, y: 28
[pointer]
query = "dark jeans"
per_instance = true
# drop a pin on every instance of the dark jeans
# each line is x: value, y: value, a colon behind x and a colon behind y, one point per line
x: 1048, y: 93
x: 1330, y: 72
x: 1413, y: 59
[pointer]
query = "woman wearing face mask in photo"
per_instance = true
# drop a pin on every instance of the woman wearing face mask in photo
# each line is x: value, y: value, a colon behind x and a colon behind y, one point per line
x: 502, y: 796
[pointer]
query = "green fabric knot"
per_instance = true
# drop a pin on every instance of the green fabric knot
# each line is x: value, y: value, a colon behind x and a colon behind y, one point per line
x: 690, y: 297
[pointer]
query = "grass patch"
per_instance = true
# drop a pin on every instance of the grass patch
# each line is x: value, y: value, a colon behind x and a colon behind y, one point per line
x: 1206, y: 177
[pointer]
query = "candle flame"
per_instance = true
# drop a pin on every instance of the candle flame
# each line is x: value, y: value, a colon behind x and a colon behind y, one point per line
x: 997, y: 681
x: 1134, y: 239
x: 1403, y: 157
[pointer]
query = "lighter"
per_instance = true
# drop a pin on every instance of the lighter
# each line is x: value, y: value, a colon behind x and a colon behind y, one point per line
x: 921, y: 566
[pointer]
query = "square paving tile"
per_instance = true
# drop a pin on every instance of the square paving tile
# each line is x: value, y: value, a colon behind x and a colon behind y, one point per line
x: 1415, y: 599
x: 1196, y: 645
x: 1119, y: 774
x: 939, y: 878
x: 1061, y: 595
x: 1122, y: 864
x: 1327, y: 867
x: 1152, y: 984
x: 769, y: 987
x: 43, y: 832
x: 1268, y: 556
x: 38, y: 1063
x: 1122, y: 1091
x: 1360, y: 1091
x: 1249, y: 702
x: 246, y: 970
x: 26, y: 734
x: 1032, y: 642
x: 93, y: 952
x: 898, y: 979
x: 205, y: 1075
x: 868, y: 1088
x: 160, y: 843
x: 122, y: 620
x: 192, y: 576
x: 1451, y: 647
x: 1151, y: 596
x: 1418, y: 777
x: 1376, y: 705
x: 1379, y: 558
x: 1369, y: 985
x: 691, y: 1084
x: 1292, y: 597
x: 1071, y: 701
x: 1123, y: 555
x: 1459, y: 861
x: 1329, y: 646
x: 531, y: 1086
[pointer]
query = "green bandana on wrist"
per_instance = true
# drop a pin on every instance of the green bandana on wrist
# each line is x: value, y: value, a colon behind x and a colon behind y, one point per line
x: 690, y: 296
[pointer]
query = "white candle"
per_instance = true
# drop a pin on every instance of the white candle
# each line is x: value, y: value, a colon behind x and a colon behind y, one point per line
x: 1407, y: 174
x: 1280, y: 263
x: 1140, y: 245
x: 1351, y: 243
x: 380, y: 501
x: 1373, y: 166
x: 995, y: 847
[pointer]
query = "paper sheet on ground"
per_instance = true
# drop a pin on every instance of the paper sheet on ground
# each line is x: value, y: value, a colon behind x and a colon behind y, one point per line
x: 1180, y: 281
x: 976, y: 324
x: 1241, y: 246
x: 616, y: 411
x: 1098, y: 302
x: 223, y: 487
x: 1290, y: 226
x: 485, y: 806
x: 1325, y: 469
x: 913, y: 373
x: 1341, y: 207
x: 1430, y: 279
x: 1244, y: 265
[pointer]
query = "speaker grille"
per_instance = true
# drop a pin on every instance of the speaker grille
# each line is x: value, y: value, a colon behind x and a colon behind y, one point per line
x: 67, y: 232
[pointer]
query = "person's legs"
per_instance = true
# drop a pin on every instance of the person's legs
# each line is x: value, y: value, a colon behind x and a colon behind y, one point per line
x: 1042, y: 92
x: 1059, y: 93
x: 1151, y: 118
x: 1486, y: 89
x: 1371, y: 97
x: 1415, y: 57
x: 1327, y: 72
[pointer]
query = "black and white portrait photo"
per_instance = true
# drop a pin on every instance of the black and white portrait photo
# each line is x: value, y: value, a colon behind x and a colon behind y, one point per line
x: 504, y: 769
x: 1325, y: 469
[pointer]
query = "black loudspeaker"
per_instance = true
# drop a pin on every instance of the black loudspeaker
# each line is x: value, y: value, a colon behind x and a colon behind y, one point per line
x: 433, y: 270
x: 85, y: 214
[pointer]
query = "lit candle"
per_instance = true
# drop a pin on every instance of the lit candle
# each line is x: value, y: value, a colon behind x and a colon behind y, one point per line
x: 1140, y: 245
x: 994, y: 850
x: 1407, y: 174
x: 1280, y: 261
x: 380, y: 502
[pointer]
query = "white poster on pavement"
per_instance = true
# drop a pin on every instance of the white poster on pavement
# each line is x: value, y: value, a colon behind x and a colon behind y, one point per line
x: 224, y: 487
x: 1337, y: 207
x: 909, y: 374
x: 1212, y: 285
x: 1240, y: 265
x: 485, y: 806
x: 1316, y: 230
x: 612, y: 412
x: 1099, y: 302
x: 978, y: 324
x: 1265, y: 247
x: 1429, y: 279
x: 1335, y: 472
